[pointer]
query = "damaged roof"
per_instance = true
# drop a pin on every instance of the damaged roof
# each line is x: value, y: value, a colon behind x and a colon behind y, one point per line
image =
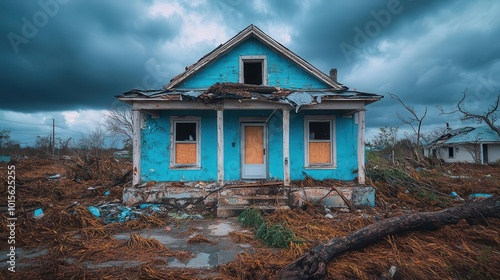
x: 221, y: 91
x: 252, y: 31
x: 482, y: 134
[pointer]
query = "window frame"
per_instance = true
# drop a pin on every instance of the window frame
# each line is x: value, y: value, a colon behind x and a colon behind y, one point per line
x: 185, y: 119
x: 253, y: 58
x: 333, y: 146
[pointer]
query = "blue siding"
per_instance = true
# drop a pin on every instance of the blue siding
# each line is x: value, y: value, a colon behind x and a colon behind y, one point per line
x: 346, y: 132
x: 281, y: 71
x: 232, y: 143
x: 155, y: 158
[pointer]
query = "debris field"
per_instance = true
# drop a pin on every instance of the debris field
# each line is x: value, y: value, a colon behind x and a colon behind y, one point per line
x: 56, y: 202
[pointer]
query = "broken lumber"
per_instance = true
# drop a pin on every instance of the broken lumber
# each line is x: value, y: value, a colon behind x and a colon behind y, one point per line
x: 312, y: 265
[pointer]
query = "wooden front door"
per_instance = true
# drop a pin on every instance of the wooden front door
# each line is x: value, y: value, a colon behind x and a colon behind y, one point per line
x: 253, y: 151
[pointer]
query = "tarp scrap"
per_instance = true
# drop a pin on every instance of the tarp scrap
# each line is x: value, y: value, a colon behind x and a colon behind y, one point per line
x: 95, y: 211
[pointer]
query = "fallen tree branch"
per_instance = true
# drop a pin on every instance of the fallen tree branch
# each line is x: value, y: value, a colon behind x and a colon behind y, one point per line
x: 312, y: 265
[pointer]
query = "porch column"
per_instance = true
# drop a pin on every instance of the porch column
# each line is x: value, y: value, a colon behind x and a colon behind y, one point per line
x: 220, y: 147
x: 286, y: 147
x: 361, y: 146
x: 136, y: 146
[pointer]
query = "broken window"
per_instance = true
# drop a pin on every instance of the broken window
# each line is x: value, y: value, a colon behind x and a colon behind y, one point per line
x: 451, y: 152
x: 319, y: 144
x: 253, y: 70
x: 186, y: 144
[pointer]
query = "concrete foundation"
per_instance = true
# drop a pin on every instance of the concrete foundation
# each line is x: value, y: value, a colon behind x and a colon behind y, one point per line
x: 170, y: 193
x: 235, y: 200
x: 359, y: 196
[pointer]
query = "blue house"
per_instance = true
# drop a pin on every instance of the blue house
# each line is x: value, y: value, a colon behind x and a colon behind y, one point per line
x: 250, y: 109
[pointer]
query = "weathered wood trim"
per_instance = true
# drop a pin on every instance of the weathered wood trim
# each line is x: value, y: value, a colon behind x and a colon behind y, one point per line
x: 286, y: 148
x: 220, y: 147
x: 361, y: 146
x: 243, y: 104
x: 261, y: 58
x: 136, y: 147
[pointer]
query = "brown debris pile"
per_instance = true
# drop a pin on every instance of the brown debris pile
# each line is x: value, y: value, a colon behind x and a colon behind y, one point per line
x: 200, y: 238
x: 77, y: 244
x: 81, y: 246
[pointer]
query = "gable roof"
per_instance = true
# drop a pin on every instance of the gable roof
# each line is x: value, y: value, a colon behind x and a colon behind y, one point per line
x: 253, y: 31
x: 482, y: 134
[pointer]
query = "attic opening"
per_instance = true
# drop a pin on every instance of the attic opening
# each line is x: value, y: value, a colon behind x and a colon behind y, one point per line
x: 253, y: 70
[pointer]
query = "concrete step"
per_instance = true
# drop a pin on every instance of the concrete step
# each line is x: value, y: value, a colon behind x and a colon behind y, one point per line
x: 279, y: 200
x: 235, y: 211
x: 273, y: 190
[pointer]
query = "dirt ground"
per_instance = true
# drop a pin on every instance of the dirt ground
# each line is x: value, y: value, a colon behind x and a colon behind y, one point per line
x: 72, y: 238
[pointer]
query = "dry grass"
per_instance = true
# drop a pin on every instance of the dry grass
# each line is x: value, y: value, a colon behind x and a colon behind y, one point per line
x: 460, y: 251
x: 200, y: 238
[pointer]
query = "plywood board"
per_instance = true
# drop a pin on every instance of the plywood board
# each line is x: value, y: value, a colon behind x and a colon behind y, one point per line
x: 185, y: 153
x: 319, y: 152
x: 254, y: 145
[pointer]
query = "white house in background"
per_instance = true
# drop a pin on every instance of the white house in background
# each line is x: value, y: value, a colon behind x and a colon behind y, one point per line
x: 467, y: 144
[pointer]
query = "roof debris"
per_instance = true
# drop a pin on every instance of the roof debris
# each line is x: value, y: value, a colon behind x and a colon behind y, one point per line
x: 221, y: 91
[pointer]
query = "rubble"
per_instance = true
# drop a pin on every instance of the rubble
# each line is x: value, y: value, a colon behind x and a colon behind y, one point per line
x: 69, y: 241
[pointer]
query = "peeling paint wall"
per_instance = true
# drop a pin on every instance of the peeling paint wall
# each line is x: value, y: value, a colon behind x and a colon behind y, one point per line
x: 155, y: 152
x: 155, y: 157
x: 346, y: 133
x: 281, y: 72
x: 232, y: 145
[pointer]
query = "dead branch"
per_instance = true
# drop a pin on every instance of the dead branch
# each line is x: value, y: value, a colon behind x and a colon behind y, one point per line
x: 313, y: 264
x: 413, y: 118
x: 347, y: 202
x: 489, y: 116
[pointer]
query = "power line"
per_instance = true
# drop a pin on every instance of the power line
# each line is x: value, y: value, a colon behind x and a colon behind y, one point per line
x: 37, y: 124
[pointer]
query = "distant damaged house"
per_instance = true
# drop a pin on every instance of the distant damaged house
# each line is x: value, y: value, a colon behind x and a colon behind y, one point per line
x: 467, y: 144
x: 249, y: 110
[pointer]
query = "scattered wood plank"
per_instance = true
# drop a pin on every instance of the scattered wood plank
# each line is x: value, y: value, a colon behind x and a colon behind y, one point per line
x: 312, y: 265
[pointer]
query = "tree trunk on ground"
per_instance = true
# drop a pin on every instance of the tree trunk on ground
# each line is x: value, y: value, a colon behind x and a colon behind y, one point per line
x: 312, y: 265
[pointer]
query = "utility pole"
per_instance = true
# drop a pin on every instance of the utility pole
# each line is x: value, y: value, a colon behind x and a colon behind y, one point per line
x: 53, y: 136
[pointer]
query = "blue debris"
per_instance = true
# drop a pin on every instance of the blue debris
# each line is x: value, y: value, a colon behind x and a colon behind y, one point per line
x: 95, y: 211
x: 480, y: 195
x: 456, y: 196
x: 106, y: 192
x: 153, y: 207
x: 125, y: 214
x: 38, y: 213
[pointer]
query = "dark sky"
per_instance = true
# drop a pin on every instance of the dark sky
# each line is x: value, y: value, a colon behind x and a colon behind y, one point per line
x: 67, y: 59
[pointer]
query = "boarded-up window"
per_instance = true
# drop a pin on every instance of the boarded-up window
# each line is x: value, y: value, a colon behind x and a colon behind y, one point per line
x: 319, y: 142
x: 186, y: 144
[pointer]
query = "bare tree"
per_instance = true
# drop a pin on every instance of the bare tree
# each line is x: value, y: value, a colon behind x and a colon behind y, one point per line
x: 64, y: 145
x: 4, y: 137
x: 42, y: 144
x: 95, y: 142
x: 118, y: 121
x: 414, y: 120
x: 489, y: 116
